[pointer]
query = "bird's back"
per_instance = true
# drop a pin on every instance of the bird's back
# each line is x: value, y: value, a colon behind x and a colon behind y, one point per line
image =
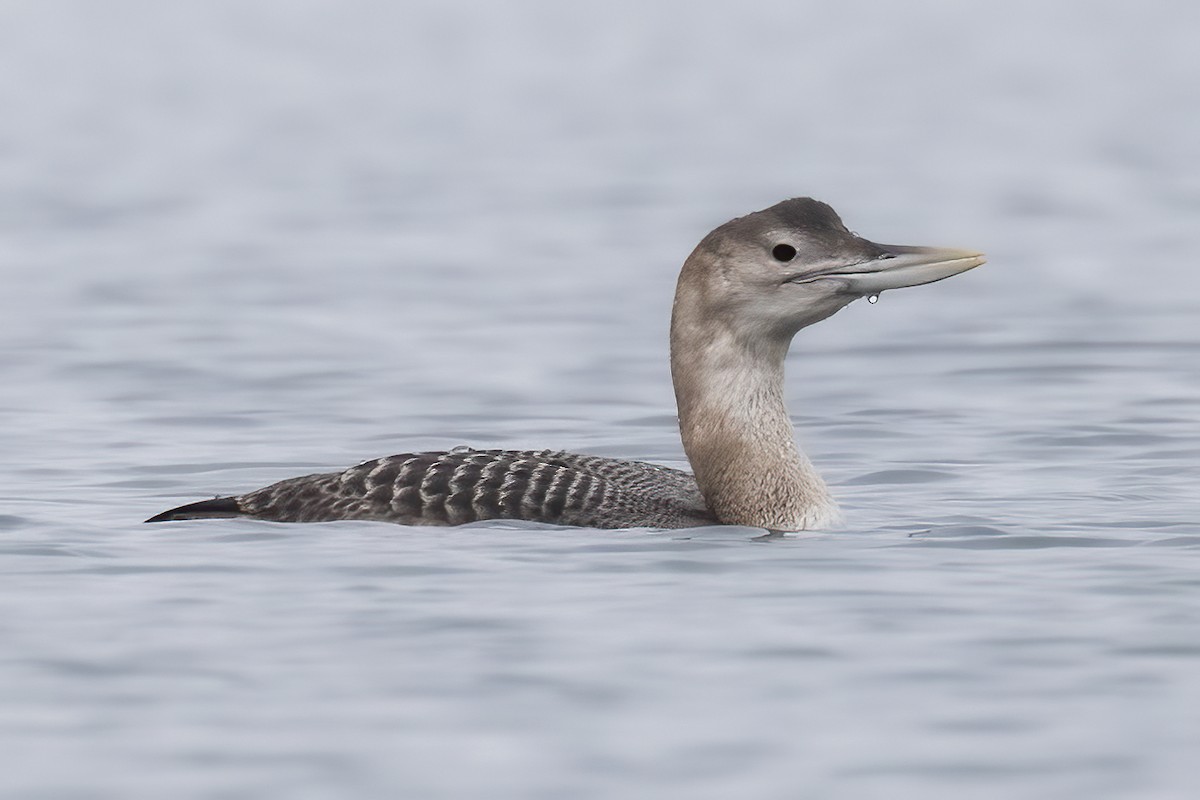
x: 464, y: 485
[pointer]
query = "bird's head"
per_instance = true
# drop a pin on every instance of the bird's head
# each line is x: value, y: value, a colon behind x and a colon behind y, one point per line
x: 778, y: 270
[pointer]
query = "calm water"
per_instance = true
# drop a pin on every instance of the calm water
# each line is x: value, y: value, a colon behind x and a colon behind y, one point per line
x: 244, y: 241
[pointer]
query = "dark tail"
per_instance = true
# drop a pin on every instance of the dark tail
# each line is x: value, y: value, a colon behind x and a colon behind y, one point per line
x: 205, y: 509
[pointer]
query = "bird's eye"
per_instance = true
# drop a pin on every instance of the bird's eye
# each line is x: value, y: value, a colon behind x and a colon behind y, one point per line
x: 784, y: 252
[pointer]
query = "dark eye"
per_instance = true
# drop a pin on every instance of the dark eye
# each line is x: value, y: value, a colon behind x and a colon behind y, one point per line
x: 784, y: 252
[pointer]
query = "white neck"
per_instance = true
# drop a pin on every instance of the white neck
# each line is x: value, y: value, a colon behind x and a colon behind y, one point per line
x: 735, y: 427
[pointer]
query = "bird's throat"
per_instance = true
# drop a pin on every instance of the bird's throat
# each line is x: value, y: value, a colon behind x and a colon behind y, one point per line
x: 738, y: 435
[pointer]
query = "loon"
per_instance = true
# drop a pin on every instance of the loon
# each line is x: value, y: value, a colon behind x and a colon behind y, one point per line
x: 743, y: 293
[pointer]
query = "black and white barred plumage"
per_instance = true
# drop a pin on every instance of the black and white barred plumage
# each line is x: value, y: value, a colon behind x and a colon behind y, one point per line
x: 464, y: 485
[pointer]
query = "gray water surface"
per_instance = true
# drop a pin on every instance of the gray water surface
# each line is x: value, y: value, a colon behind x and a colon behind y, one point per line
x: 245, y: 241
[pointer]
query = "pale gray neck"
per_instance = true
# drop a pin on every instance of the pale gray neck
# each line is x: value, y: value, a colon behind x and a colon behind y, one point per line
x: 735, y: 427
